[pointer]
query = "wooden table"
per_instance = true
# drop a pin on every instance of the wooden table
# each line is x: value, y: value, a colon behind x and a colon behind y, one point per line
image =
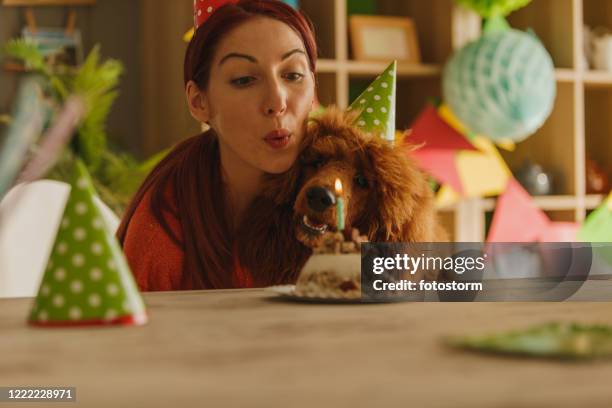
x: 241, y: 348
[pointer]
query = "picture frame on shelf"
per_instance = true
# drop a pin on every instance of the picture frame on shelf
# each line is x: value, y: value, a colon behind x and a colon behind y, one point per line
x: 57, y: 44
x: 384, y: 38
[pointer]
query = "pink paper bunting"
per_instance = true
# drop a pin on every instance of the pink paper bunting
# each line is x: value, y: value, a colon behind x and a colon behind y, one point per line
x: 441, y: 164
x: 433, y: 132
x: 517, y: 218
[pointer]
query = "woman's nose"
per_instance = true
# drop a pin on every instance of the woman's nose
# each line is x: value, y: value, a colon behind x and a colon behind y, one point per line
x: 276, y: 100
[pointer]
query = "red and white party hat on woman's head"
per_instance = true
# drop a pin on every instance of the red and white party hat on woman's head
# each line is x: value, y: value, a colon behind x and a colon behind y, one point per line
x: 202, y: 9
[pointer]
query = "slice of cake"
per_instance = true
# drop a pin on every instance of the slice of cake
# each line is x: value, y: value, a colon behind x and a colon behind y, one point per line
x: 334, y: 269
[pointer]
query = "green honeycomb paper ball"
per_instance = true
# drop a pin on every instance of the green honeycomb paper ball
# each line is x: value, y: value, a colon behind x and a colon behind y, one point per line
x: 501, y: 85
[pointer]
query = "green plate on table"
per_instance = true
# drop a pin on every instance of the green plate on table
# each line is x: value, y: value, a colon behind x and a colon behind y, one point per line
x: 552, y: 340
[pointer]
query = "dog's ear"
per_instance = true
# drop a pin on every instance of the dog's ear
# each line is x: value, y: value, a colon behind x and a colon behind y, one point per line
x: 332, y: 122
x: 402, y: 206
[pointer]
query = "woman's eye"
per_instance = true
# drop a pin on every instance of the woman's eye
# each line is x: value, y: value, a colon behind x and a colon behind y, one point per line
x: 294, y: 76
x: 242, y: 81
x: 361, y: 181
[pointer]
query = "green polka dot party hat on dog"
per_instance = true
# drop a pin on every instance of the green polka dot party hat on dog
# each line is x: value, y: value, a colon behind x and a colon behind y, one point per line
x: 87, y: 280
x: 375, y: 106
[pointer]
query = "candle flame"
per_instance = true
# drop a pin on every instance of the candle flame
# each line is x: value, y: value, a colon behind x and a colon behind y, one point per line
x: 338, y: 186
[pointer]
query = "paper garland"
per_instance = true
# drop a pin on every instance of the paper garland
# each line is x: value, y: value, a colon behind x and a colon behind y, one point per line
x: 598, y: 225
x: 434, y: 133
x: 517, y: 218
x: 561, y: 232
x: 597, y: 229
x: 441, y: 164
x: 472, y: 168
x: 483, y: 172
x: 446, y: 196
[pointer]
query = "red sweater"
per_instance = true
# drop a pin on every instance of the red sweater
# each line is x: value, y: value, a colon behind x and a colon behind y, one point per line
x: 155, y: 259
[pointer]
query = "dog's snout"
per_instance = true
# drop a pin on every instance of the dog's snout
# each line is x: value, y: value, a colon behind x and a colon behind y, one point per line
x: 320, y: 198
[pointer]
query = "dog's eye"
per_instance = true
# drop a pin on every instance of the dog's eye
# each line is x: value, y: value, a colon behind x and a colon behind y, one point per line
x: 361, y: 181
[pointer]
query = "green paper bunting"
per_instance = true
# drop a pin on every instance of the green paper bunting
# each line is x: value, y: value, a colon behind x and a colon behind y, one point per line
x: 87, y: 279
x: 597, y: 229
x: 598, y: 225
x: 376, y: 105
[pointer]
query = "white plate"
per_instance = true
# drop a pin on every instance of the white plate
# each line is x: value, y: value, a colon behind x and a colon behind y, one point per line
x: 288, y: 292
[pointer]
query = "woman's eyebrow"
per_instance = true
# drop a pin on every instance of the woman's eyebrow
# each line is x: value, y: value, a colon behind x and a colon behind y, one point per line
x: 252, y: 59
x: 290, y: 53
x: 237, y: 55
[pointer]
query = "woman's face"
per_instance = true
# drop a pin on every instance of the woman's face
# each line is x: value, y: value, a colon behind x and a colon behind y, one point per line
x: 259, y: 95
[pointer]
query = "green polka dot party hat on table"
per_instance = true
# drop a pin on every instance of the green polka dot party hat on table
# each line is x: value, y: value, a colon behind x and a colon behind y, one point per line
x: 375, y: 107
x: 87, y: 280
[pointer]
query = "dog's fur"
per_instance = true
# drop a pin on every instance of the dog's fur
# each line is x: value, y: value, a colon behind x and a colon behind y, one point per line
x: 385, y: 196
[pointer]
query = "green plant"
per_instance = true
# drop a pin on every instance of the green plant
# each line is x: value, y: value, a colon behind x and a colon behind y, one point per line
x: 116, y: 174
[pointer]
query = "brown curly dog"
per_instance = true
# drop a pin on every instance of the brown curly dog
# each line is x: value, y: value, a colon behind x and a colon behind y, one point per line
x: 385, y: 196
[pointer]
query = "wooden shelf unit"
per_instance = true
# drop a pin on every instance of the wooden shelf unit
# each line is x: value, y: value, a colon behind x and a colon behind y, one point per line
x: 39, y: 3
x: 581, y: 122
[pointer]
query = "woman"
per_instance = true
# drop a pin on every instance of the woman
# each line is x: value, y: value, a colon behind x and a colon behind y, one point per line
x: 249, y: 75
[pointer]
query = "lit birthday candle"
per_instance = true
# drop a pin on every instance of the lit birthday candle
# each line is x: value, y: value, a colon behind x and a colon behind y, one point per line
x: 339, y: 206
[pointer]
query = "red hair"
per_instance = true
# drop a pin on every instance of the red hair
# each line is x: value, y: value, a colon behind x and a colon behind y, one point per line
x: 192, y: 168
x: 202, y: 47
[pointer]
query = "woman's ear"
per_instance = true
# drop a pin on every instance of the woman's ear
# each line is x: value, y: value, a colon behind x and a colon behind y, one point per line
x: 197, y: 102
